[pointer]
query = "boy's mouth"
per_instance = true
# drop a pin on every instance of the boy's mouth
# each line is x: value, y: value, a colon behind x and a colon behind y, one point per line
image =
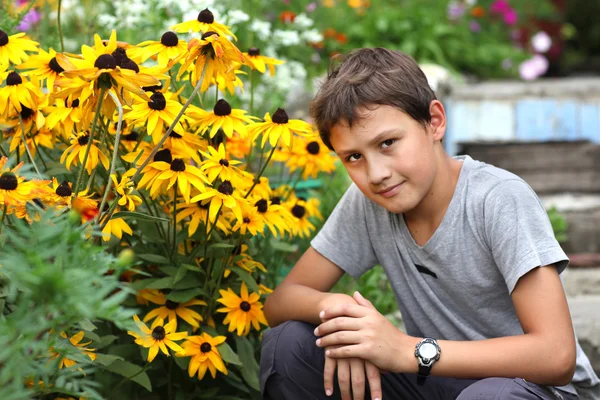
x: 390, y: 190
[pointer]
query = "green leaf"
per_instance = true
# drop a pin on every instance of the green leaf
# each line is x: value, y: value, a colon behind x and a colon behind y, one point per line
x: 283, y: 246
x: 247, y: 278
x: 250, y: 369
x: 154, y: 258
x: 228, y: 354
x: 107, y: 359
x: 180, y: 274
x: 188, y: 283
x: 87, y: 325
x: 105, y: 341
x: 181, y: 296
x: 132, y: 372
x: 182, y: 362
x: 221, y: 246
x: 209, y: 393
x: 139, y: 216
x: 162, y: 283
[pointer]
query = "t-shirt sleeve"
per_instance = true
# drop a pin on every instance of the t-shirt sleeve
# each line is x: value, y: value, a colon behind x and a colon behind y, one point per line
x: 344, y: 238
x: 519, y: 232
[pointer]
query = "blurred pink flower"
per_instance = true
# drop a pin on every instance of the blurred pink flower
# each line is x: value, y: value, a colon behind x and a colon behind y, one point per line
x: 500, y: 6
x: 455, y: 11
x: 31, y: 18
x: 533, y: 68
x: 541, y: 42
x: 311, y: 7
x: 510, y: 17
x: 474, y: 26
x: 286, y: 2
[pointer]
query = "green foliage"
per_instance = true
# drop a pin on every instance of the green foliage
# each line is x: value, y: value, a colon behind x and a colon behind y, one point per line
x: 559, y: 224
x: 54, y: 279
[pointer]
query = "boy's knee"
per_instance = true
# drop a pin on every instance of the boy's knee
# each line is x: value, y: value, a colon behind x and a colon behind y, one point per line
x: 502, y: 389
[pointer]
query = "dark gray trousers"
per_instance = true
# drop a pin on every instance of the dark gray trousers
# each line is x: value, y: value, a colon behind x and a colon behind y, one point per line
x: 291, y: 368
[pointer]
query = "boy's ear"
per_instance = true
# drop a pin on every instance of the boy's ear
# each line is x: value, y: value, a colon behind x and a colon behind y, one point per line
x: 438, y: 120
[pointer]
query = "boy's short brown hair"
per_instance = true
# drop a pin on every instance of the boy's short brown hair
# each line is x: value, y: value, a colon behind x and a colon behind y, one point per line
x: 366, y: 78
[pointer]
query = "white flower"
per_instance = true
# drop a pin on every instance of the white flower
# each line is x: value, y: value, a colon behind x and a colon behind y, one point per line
x: 541, y: 42
x: 261, y: 28
x: 312, y: 36
x: 234, y: 17
x: 534, y: 67
x: 286, y: 38
x: 302, y: 21
x: 470, y: 3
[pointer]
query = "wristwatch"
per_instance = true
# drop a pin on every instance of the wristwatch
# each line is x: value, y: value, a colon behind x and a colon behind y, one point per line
x: 427, y: 353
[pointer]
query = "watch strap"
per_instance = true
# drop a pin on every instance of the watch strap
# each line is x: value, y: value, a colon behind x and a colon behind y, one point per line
x: 423, y: 373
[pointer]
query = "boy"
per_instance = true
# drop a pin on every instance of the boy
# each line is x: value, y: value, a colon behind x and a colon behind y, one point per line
x: 467, y: 247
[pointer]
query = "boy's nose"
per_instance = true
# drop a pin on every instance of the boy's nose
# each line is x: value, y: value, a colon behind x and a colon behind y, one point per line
x: 378, y: 173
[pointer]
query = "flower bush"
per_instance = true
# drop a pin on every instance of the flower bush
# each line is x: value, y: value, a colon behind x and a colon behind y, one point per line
x: 148, y: 145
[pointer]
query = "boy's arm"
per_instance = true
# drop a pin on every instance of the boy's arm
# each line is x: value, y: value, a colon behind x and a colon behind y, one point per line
x: 304, y: 291
x: 545, y: 354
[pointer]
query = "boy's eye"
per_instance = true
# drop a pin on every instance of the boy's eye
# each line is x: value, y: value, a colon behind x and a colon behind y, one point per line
x: 353, y: 157
x: 387, y: 143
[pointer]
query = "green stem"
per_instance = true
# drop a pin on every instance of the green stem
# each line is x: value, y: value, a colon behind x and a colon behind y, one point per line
x: 3, y: 217
x: 60, y: 32
x: 261, y: 172
x: 128, y: 378
x: 251, y: 91
x: 175, y: 121
x: 90, y: 141
x: 3, y: 152
x: 174, y: 248
x: 115, y: 154
x: 39, y: 153
x: 24, y: 140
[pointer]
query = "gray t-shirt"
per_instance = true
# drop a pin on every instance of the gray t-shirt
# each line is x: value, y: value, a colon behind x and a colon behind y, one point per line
x: 458, y: 285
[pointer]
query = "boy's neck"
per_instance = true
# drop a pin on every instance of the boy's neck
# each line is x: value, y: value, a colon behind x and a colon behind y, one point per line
x: 431, y: 210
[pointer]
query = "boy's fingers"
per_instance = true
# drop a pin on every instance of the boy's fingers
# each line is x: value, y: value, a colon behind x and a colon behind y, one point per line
x: 357, y: 373
x: 361, y: 300
x: 343, y: 373
x: 339, y: 338
x: 374, y: 378
x: 338, y: 324
x: 340, y: 310
x: 329, y: 374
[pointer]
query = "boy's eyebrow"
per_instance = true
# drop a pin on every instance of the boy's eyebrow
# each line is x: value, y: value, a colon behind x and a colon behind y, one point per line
x: 378, y: 138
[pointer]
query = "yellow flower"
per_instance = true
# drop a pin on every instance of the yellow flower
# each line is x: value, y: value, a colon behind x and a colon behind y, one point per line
x: 77, y: 150
x: 216, y: 165
x: 222, y: 117
x: 161, y: 109
x: 310, y: 155
x: 18, y: 93
x: 43, y: 65
x: 75, y: 341
x: 278, y: 127
x: 125, y: 190
x: 251, y: 222
x: 205, y: 355
x: 241, y: 258
x: 204, y: 23
x: 242, y: 311
x: 14, y: 190
x: 238, y: 146
x: 115, y: 227
x: 275, y: 216
x: 12, y: 48
x: 255, y: 61
x: 34, y: 139
x: 199, y: 213
x: 172, y: 309
x: 301, y: 226
x: 157, y: 337
x: 61, y: 194
x: 222, y: 196
x: 168, y: 48
x: 186, y: 176
x: 67, y: 115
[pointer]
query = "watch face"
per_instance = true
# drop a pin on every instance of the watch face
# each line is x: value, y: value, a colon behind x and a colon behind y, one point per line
x: 427, y: 350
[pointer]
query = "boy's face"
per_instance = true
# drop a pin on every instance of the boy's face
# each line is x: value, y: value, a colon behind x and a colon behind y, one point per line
x: 390, y: 156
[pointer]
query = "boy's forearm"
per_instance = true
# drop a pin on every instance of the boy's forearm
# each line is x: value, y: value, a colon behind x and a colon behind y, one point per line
x: 300, y: 303
x: 526, y: 356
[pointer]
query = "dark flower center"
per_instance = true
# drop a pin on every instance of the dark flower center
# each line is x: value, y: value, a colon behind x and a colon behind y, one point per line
x: 169, y: 39
x: 157, y: 101
x: 158, y: 333
x: 313, y: 148
x: 301, y: 198
x: 205, y: 347
x: 177, y: 165
x: 175, y: 135
x: 218, y: 139
x: 276, y: 200
x: 83, y: 139
x: 245, y: 306
x: 262, y: 206
x: 222, y: 108
x: 163, y: 155
x: 26, y: 112
x: 13, y: 79
x: 298, y: 211
x: 128, y: 63
x: 246, y: 220
x: 205, y: 16
x: 171, y: 305
x: 203, y: 206
x: 39, y: 203
x: 75, y: 103
x: 105, y: 61
x: 155, y: 88
x: 208, y: 34
x: 237, y: 250
x: 4, y: 36
x: 224, y: 162
x: 64, y: 190
x: 280, y: 116
x: 54, y: 66
x: 253, y: 51
x: 8, y: 181
x: 132, y: 137
x: 120, y: 55
x: 225, y: 188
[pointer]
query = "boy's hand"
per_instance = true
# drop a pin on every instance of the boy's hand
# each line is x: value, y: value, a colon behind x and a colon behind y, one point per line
x: 360, y: 331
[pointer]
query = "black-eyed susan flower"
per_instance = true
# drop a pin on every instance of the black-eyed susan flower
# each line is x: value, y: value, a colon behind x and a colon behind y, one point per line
x: 275, y: 216
x: 185, y: 144
x: 13, y: 48
x: 222, y: 117
x: 75, y: 340
x: 242, y: 311
x: 18, y: 92
x: 216, y: 165
x: 301, y: 226
x: 255, y: 60
x: 241, y: 258
x: 199, y: 213
x: 231, y: 84
x: 308, y: 154
x: 205, y: 355
x: 157, y: 337
x: 222, y: 197
x: 214, y: 54
x: 125, y: 190
x: 168, y: 48
x: 279, y: 127
x: 115, y: 227
x: 44, y: 66
x: 34, y: 138
x: 84, y: 204
x: 75, y: 153
x: 15, y: 190
x: 160, y: 109
x: 177, y: 171
x: 238, y: 146
x: 67, y: 115
x: 172, y: 310
x: 61, y: 194
x: 205, y: 22
x: 251, y: 222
